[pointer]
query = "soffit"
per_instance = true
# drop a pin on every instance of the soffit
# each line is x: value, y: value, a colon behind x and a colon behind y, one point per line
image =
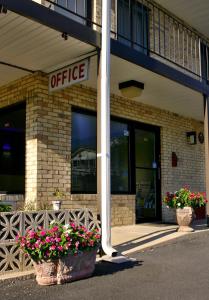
x: 28, y: 44
x: 158, y: 91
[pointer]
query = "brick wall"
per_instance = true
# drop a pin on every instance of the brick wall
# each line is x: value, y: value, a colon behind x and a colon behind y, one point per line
x: 48, y: 144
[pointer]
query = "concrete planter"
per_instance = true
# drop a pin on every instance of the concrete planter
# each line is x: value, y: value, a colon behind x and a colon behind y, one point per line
x: 184, y: 218
x: 65, y: 269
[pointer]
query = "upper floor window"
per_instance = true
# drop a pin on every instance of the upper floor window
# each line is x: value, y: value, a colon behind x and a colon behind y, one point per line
x: 205, y: 61
x: 133, y: 24
x: 79, y: 7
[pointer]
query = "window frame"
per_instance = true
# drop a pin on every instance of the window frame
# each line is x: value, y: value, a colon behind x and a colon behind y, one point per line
x: 7, y: 110
x: 131, y: 125
x: 145, y: 12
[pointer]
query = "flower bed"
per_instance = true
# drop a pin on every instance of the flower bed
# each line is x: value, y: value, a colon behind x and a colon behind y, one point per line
x: 11, y: 258
x: 62, y: 253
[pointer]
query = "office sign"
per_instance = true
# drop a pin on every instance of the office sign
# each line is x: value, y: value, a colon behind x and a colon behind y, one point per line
x: 68, y: 76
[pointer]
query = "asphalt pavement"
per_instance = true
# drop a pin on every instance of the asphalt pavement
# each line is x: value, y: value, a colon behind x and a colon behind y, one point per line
x: 175, y: 270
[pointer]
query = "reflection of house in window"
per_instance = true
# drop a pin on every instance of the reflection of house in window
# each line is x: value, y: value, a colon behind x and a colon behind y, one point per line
x: 84, y: 170
x: 85, y: 161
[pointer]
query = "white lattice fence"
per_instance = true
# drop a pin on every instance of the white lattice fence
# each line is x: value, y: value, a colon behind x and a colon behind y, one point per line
x: 12, y: 223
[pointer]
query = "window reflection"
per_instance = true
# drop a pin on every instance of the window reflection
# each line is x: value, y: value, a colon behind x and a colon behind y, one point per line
x: 12, y: 150
x: 83, y: 158
x: 119, y: 156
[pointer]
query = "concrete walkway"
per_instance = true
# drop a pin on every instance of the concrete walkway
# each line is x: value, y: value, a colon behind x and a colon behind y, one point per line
x: 133, y: 238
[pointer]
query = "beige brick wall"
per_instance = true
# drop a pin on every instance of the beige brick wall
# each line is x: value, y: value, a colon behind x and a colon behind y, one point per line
x: 48, y: 144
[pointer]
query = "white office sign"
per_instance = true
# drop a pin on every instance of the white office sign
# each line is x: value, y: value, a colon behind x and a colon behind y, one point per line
x: 69, y: 75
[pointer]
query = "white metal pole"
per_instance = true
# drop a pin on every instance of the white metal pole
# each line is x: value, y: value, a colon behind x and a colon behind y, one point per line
x: 105, y: 130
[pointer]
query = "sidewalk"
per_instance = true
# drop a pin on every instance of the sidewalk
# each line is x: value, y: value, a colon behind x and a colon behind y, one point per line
x: 129, y: 239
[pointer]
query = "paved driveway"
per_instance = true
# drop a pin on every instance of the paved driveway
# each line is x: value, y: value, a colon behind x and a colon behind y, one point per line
x: 178, y: 269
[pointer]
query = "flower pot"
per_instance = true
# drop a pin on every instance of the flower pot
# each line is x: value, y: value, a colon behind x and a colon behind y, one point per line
x: 184, y: 218
x: 56, y: 204
x: 200, y: 212
x: 46, y: 272
x: 66, y: 269
x: 71, y: 267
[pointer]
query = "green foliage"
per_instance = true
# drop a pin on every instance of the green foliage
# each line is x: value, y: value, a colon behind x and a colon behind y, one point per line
x: 5, y: 208
x: 184, y: 197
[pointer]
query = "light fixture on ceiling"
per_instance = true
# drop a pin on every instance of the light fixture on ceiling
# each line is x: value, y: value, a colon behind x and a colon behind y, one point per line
x: 131, y: 88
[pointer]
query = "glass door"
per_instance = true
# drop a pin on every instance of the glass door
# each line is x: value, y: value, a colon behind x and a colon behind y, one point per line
x: 147, y: 175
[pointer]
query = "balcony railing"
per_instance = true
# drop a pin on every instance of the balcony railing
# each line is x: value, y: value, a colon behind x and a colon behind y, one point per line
x: 146, y: 27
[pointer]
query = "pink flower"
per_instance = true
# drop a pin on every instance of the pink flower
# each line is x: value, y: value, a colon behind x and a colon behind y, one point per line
x: 77, y: 244
x: 58, y: 239
x: 43, y: 233
x: 53, y: 247
x: 31, y: 234
x: 91, y: 243
x: 36, y: 244
x: 60, y: 248
x: 55, y: 228
x: 48, y: 239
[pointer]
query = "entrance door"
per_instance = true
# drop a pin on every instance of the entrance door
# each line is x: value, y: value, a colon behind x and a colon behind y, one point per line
x: 147, y: 172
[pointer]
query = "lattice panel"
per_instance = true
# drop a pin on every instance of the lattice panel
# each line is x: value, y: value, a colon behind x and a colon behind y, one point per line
x: 10, y: 258
x: 10, y: 225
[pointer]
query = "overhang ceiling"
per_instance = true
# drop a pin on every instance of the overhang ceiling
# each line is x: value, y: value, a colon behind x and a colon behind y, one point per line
x: 158, y: 91
x: 193, y: 12
x: 30, y: 45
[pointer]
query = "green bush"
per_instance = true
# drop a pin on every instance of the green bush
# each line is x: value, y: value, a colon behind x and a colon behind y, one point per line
x: 5, y: 208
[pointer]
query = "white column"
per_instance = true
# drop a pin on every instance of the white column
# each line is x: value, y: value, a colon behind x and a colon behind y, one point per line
x: 206, y: 133
x: 103, y: 111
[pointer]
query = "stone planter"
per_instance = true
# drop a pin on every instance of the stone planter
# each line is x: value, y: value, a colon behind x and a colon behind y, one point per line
x: 184, y: 218
x: 65, y: 269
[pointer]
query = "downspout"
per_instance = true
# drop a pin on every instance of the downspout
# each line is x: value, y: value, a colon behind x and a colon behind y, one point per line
x: 105, y: 130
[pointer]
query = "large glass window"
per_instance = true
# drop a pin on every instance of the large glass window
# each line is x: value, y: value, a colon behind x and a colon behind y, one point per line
x: 12, y: 150
x: 133, y: 24
x: 79, y: 7
x: 83, y: 155
x: 119, y: 157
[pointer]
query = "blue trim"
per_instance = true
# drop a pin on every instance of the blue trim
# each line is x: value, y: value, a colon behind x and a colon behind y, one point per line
x: 147, y: 62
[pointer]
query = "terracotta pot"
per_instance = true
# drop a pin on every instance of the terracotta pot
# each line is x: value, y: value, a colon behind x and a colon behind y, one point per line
x: 184, y: 218
x: 66, y: 269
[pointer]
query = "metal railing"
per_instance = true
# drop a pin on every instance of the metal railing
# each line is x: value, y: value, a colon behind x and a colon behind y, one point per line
x: 148, y: 28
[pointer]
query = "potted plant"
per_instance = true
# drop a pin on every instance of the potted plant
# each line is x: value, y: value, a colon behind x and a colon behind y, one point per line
x: 62, y: 253
x: 185, y: 202
x: 57, y: 203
